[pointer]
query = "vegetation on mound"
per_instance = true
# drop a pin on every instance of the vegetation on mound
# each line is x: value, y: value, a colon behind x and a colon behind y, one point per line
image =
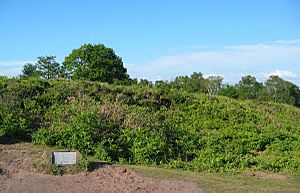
x: 140, y: 124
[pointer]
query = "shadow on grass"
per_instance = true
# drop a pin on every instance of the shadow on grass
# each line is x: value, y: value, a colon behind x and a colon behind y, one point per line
x: 9, y: 140
x: 94, y: 165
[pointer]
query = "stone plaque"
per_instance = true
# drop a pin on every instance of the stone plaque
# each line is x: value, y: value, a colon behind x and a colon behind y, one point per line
x: 64, y: 158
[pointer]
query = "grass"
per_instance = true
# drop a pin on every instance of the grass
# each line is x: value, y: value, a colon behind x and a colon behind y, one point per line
x: 248, y: 181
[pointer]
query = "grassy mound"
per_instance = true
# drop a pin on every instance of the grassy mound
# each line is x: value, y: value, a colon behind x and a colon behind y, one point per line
x: 142, y: 125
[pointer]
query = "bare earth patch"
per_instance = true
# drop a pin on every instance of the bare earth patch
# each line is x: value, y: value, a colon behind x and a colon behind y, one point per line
x: 18, y: 173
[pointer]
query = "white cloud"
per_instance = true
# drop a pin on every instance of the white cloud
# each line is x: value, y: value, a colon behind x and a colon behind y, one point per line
x: 296, y: 41
x: 235, y: 55
x: 11, y: 71
x: 10, y: 63
x: 225, y: 60
x: 284, y: 74
x: 12, y: 67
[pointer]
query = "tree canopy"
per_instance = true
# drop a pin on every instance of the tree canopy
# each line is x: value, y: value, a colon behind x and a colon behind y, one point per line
x: 248, y: 87
x: 278, y: 90
x: 94, y: 62
x: 29, y: 70
x: 47, y: 67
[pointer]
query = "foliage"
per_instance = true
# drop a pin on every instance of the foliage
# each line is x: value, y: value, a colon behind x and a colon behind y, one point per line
x: 279, y: 90
x: 94, y: 62
x: 20, y: 113
x: 229, y: 91
x: 153, y: 124
x: 56, y: 170
x: 84, y: 164
x: 29, y: 70
x: 194, y: 83
x: 47, y: 67
x: 213, y: 84
x: 248, y: 87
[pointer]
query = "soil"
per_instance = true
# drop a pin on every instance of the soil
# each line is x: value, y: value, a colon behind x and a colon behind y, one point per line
x: 18, y: 173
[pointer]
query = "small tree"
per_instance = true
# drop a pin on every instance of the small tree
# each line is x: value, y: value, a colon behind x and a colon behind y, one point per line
x: 145, y: 82
x: 29, y: 70
x: 213, y: 84
x: 180, y: 82
x: 229, y: 91
x: 248, y: 87
x: 197, y: 82
x: 47, y: 67
x: 295, y: 92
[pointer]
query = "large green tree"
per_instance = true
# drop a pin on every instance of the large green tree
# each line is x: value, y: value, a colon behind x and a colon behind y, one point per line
x: 47, y: 67
x: 94, y: 62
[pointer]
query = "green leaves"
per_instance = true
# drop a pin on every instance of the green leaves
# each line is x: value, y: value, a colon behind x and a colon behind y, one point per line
x: 248, y: 88
x: 29, y: 70
x: 47, y: 67
x: 94, y: 62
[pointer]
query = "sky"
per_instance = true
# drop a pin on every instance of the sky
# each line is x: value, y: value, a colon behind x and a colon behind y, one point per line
x: 159, y: 39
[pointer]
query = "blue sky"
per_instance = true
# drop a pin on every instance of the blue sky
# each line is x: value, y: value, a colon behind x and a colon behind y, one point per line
x: 159, y: 39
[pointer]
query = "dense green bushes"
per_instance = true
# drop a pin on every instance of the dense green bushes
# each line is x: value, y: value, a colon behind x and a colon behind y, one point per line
x: 142, y: 125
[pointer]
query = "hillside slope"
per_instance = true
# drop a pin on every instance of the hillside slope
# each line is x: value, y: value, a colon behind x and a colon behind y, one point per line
x: 143, y: 125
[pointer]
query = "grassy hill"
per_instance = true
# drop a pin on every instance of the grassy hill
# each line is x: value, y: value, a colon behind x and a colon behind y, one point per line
x: 144, y: 125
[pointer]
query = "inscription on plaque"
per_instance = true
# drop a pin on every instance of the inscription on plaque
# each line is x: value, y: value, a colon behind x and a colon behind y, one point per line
x: 64, y: 158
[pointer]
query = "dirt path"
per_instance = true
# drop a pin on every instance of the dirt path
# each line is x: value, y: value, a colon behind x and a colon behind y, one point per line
x: 16, y: 176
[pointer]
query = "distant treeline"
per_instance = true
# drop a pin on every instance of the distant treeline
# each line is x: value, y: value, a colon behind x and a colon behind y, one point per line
x: 275, y: 89
x: 95, y: 62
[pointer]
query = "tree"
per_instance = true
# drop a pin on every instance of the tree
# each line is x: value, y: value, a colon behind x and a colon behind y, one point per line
x: 161, y: 84
x: 47, y: 67
x: 229, y: 91
x: 248, y: 87
x: 180, y: 82
x: 145, y: 82
x: 29, y: 70
x: 295, y: 92
x: 197, y: 82
x: 213, y: 84
x: 277, y: 90
x: 94, y: 62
